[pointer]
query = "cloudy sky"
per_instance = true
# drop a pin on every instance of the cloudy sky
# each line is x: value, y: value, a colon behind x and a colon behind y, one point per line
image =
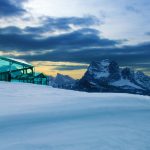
x: 65, y: 36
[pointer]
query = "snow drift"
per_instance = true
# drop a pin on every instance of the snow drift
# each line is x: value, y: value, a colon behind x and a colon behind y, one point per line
x: 34, y: 117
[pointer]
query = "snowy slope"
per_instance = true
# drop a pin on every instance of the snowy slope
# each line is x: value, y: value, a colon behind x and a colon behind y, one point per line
x: 34, y: 117
x: 123, y: 83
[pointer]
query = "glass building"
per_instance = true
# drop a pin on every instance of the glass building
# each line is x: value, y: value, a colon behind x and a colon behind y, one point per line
x: 19, y: 71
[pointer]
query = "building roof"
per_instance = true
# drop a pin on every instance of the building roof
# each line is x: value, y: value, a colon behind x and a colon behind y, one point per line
x: 16, y: 61
x: 37, y: 74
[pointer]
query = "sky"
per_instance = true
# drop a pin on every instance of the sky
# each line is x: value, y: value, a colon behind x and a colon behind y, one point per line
x: 64, y: 36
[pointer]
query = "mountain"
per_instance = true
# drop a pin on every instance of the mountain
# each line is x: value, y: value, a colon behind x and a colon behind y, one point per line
x: 62, y: 81
x: 50, y: 80
x: 107, y: 76
x: 142, y: 79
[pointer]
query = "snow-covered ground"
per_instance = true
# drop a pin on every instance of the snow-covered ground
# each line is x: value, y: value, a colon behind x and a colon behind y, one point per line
x: 34, y: 117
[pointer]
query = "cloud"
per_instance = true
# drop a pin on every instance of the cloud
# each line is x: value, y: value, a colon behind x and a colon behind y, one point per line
x: 81, y: 45
x: 50, y: 24
x: 10, y: 29
x: 80, y: 42
x: 81, y: 35
x: 11, y: 8
x: 75, y: 40
x: 126, y: 55
x: 69, y: 67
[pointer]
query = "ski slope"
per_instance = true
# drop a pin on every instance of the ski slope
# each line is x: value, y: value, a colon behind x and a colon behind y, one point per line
x: 34, y: 117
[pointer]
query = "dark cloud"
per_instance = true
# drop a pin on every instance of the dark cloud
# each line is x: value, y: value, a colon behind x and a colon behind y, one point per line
x: 50, y: 24
x: 11, y: 8
x: 75, y: 40
x: 30, y: 38
x: 125, y: 56
x: 10, y: 29
x: 82, y: 45
x: 69, y: 67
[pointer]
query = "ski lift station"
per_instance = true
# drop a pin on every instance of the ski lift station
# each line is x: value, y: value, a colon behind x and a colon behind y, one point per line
x: 14, y: 70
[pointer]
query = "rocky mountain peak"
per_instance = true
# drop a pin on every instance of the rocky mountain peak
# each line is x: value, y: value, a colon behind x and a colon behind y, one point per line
x: 63, y: 78
x: 107, y: 76
x: 104, y: 69
x: 127, y: 74
x: 62, y: 81
x: 99, y: 66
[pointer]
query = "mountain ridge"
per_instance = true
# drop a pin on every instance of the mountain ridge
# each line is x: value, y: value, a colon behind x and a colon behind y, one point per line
x: 108, y: 76
x: 105, y: 76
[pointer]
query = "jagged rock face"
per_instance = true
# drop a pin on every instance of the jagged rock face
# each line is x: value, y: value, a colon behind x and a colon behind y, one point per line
x: 98, y: 69
x: 98, y: 76
x: 62, y: 81
x: 51, y: 80
x: 106, y: 76
x: 114, y: 71
x: 127, y: 74
x: 142, y: 80
x: 100, y: 73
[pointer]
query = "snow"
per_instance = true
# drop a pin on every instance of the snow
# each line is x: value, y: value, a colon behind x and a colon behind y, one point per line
x: 21, y: 61
x: 104, y: 71
x: 124, y: 82
x: 104, y: 74
x: 105, y: 62
x: 34, y: 117
x: 100, y: 70
x: 142, y: 79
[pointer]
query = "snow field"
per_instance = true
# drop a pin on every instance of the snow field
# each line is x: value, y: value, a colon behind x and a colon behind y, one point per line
x: 34, y: 117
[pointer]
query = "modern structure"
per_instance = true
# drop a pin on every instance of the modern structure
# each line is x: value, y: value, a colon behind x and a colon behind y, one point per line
x: 20, y: 71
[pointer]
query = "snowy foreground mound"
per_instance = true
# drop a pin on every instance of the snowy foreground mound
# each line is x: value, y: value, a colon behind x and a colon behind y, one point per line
x: 36, y: 117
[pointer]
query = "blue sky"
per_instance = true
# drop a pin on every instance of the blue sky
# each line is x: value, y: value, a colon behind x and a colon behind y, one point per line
x: 74, y: 33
